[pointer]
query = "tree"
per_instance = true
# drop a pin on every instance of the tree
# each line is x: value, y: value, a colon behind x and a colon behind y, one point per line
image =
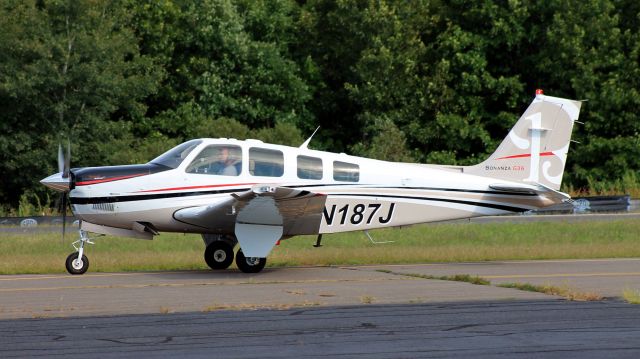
x: 594, y: 55
x: 68, y: 69
x: 224, y: 59
x: 422, y: 65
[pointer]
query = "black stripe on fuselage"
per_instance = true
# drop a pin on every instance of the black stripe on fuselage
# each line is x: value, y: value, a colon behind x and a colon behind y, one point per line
x: 147, y: 197
x: 468, y: 203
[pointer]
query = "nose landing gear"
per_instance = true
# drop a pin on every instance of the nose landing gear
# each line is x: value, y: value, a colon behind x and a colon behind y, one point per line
x: 77, y: 262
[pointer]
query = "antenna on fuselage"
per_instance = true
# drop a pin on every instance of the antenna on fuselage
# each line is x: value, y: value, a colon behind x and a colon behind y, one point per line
x: 373, y: 241
x: 306, y: 143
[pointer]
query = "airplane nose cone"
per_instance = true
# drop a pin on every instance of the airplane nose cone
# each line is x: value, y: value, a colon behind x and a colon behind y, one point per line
x: 56, y: 182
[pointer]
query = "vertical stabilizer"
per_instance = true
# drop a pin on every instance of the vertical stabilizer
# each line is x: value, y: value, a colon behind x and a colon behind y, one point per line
x: 535, y: 150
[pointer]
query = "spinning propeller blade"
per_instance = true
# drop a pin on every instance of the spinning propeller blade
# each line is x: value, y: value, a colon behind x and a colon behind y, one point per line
x: 67, y: 161
x: 64, y: 164
x: 64, y: 214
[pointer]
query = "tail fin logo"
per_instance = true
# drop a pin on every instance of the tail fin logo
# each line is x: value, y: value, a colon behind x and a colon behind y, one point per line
x: 535, y: 149
x: 536, y: 132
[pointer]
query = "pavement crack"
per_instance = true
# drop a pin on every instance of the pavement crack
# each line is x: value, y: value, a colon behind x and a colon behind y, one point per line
x: 140, y: 341
x: 460, y: 327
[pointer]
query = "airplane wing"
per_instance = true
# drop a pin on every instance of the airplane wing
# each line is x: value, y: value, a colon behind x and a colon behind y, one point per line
x: 260, y: 216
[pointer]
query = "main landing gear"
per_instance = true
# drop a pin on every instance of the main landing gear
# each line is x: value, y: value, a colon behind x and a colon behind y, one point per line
x: 77, y: 262
x: 219, y: 255
x: 250, y: 264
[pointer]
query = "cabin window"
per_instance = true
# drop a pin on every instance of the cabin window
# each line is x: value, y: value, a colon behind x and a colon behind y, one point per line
x: 264, y: 162
x: 346, y: 172
x: 221, y: 160
x: 174, y: 157
x: 309, y: 168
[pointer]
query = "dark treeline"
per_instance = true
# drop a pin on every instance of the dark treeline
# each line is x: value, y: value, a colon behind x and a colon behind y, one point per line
x: 422, y: 80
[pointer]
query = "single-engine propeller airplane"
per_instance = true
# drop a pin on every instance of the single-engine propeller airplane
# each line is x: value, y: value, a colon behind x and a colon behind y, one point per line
x: 254, y: 194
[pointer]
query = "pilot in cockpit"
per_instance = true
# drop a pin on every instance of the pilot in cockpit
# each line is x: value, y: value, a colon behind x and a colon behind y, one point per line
x: 225, y: 164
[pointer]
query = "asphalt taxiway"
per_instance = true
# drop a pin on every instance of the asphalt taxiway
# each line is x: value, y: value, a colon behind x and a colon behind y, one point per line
x: 28, y: 296
x: 363, y: 311
x: 496, y: 329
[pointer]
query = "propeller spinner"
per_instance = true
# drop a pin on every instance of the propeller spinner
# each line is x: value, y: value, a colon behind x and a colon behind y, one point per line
x: 61, y: 181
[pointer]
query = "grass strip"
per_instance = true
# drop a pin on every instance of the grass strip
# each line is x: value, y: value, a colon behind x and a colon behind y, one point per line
x: 28, y: 253
x: 454, y: 278
x: 242, y: 307
x: 564, y: 291
x: 631, y: 296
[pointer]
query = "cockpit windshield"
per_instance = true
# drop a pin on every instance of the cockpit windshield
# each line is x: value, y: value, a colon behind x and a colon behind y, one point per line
x: 174, y: 157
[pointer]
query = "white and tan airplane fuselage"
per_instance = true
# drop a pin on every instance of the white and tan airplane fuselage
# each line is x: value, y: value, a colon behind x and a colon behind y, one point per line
x: 386, y: 194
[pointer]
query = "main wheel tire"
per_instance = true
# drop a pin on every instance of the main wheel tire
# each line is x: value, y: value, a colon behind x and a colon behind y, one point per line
x: 250, y: 265
x: 219, y: 255
x: 75, y: 266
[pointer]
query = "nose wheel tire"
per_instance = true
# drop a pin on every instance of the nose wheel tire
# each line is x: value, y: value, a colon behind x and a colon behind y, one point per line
x: 77, y: 265
x: 251, y: 264
x: 218, y: 255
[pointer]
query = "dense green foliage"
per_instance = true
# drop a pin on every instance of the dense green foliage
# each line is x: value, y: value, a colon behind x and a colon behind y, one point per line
x: 422, y: 80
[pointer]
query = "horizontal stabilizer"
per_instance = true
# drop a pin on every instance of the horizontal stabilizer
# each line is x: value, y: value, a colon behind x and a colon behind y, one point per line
x: 537, y: 188
x: 520, y: 188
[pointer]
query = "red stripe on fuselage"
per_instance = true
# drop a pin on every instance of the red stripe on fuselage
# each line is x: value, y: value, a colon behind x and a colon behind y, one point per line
x: 195, y: 187
x: 542, y: 154
x: 110, y: 179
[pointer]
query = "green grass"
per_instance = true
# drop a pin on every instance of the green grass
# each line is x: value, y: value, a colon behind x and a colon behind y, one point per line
x: 454, y: 278
x: 631, y: 296
x: 564, y: 291
x: 45, y: 253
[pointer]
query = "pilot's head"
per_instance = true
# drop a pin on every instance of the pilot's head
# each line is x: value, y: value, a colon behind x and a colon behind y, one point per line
x: 223, y: 154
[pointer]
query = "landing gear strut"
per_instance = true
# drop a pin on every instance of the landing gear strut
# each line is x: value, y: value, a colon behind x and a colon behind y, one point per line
x: 77, y: 262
